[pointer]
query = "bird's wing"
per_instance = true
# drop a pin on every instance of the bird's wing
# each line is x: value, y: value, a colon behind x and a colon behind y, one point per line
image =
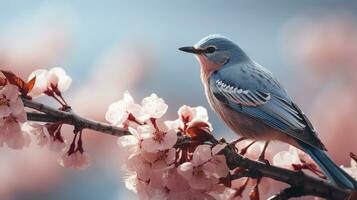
x: 259, y: 95
x: 242, y: 96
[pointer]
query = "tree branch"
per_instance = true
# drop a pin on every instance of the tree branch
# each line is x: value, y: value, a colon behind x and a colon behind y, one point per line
x: 288, y: 193
x: 71, y: 118
x: 301, y: 184
x: 297, y: 179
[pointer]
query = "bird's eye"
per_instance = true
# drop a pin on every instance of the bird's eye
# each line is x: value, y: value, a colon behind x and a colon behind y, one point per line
x: 210, y: 49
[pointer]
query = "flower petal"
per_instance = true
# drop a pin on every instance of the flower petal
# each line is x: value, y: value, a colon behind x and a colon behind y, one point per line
x: 202, y: 154
x: 40, y: 83
x: 186, y: 170
x: 154, y: 106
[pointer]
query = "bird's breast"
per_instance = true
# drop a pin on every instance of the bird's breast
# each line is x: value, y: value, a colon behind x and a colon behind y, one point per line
x: 242, y: 124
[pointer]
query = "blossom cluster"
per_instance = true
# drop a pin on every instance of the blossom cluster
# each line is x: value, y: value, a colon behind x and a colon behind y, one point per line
x: 12, y: 116
x: 158, y: 165
x: 16, y: 132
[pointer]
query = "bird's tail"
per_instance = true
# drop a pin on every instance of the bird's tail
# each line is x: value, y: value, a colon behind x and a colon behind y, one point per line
x: 331, y: 170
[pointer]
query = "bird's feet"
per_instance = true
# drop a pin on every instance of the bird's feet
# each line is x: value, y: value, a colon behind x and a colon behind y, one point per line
x: 245, y: 149
x: 264, y: 160
x: 233, y: 144
x: 262, y: 155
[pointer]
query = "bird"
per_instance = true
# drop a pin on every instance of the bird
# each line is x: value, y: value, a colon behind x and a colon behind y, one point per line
x: 254, y: 104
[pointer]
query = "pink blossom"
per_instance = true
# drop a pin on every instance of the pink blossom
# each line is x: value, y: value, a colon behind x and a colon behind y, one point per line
x: 77, y: 159
x: 154, y: 106
x: 122, y: 112
x: 157, y: 137
x: 145, y: 190
x: 58, y: 78
x: 131, y: 182
x: 41, y: 82
x: 285, y: 159
x: 55, y: 79
x: 118, y: 112
x: 9, y: 101
x: 129, y: 144
x: 12, y: 135
x: 12, y: 115
x: 162, y: 160
x: 56, y: 144
x: 204, y: 171
x: 39, y: 131
x: 137, y: 163
x: 175, y: 182
x: 193, y: 120
x: 174, y: 124
x: 151, y: 167
x: 11, y: 132
x: 151, y: 158
x: 189, y: 114
x: 160, y: 164
x: 255, y: 150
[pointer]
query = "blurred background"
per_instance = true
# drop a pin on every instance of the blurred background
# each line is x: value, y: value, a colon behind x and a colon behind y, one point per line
x: 108, y: 47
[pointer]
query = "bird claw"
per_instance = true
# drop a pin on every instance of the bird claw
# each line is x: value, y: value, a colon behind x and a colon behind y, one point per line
x: 263, y: 160
x: 245, y: 149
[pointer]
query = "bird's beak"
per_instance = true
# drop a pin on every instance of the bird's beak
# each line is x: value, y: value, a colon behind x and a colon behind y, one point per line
x: 191, y: 50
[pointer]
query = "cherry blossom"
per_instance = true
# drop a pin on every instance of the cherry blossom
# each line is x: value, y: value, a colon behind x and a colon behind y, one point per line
x: 56, y: 141
x: 193, y: 121
x: 156, y: 169
x: 37, y: 130
x: 11, y: 132
x: 12, y: 115
x: 129, y: 144
x: 145, y: 190
x: 151, y: 166
x: 175, y: 182
x: 41, y: 82
x: 56, y: 145
x: 254, y: 151
x: 284, y: 159
x: 75, y: 157
x: 55, y: 80
x: 204, y: 171
x: 157, y: 137
x: 124, y: 111
x: 191, y: 115
x: 154, y: 106
x: 9, y: 101
x: 119, y: 112
x: 288, y: 159
x: 137, y: 163
x: 78, y: 160
x: 162, y: 160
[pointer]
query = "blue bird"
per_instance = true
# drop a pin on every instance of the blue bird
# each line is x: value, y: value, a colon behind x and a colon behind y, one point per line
x: 252, y: 102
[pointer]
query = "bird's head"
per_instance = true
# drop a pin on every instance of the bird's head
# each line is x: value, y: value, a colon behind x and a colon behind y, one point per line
x: 214, y: 51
